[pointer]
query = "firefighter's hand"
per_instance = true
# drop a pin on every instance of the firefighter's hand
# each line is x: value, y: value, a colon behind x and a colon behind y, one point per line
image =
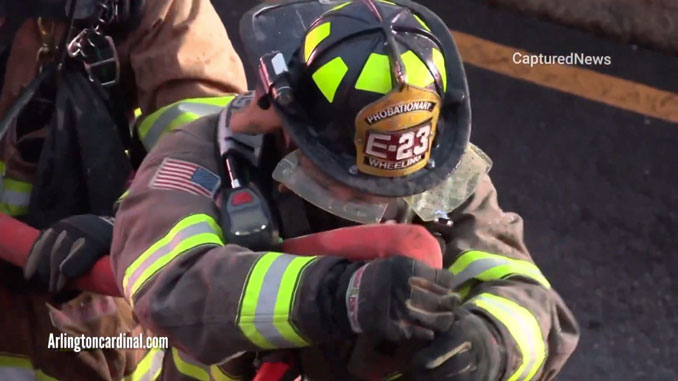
x: 399, y: 299
x: 468, y: 351
x: 68, y: 250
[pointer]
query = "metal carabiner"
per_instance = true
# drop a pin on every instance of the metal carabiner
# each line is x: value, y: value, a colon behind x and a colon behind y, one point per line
x: 74, y: 47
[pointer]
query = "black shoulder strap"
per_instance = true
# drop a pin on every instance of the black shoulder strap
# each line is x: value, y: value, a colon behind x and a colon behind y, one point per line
x: 58, y: 10
x: 7, y: 32
x: 49, y: 9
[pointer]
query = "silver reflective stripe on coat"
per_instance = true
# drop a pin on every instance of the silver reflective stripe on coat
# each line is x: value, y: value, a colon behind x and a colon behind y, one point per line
x: 485, y: 267
x: 268, y: 298
x: 523, y: 328
x: 164, y: 123
x: 20, y: 368
x: 263, y: 319
x: 189, y: 233
x: 149, y: 368
x: 153, y: 126
x: 15, y: 195
x: 18, y: 374
x: 14, y: 198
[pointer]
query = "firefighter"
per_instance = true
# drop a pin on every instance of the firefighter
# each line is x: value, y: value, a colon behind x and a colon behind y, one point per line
x: 73, y: 73
x: 363, y: 118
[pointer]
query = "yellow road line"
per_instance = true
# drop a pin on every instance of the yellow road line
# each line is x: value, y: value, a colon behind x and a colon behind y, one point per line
x: 585, y: 83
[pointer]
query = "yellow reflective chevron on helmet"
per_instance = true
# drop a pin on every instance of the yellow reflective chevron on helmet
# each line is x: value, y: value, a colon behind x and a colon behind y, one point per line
x: 376, y: 74
x: 340, y: 6
x: 315, y: 37
x: 418, y: 74
x: 421, y: 22
x: 329, y: 76
x: 439, y: 61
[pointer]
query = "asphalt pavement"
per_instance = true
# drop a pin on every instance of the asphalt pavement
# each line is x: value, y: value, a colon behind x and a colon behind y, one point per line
x: 596, y: 185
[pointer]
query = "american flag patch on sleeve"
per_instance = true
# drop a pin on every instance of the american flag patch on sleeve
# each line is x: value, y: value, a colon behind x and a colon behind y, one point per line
x: 187, y: 177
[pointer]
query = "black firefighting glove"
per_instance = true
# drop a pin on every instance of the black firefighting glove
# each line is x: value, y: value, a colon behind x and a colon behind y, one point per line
x: 469, y: 351
x: 68, y: 250
x: 398, y: 299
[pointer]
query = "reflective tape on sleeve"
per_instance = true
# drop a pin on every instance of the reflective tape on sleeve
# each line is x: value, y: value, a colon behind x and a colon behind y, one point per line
x: 189, y: 233
x: 15, y: 196
x: 219, y: 374
x: 188, y: 367
x: 149, y: 368
x: 268, y: 298
x: 123, y: 195
x: 20, y: 368
x: 485, y: 267
x: 197, y: 371
x: 165, y: 119
x: 522, y: 326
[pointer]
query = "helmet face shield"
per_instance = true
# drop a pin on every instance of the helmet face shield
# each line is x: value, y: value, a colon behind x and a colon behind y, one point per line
x: 455, y: 190
x: 297, y: 173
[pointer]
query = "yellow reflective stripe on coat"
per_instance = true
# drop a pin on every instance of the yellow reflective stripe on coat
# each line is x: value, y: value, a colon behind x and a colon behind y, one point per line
x: 189, y: 233
x: 191, y: 368
x: 485, y: 267
x: 165, y: 119
x: 218, y: 374
x: 20, y: 368
x: 188, y: 367
x: 149, y: 368
x: 523, y: 327
x: 15, y: 196
x: 268, y: 299
x: 123, y: 195
x: 117, y: 203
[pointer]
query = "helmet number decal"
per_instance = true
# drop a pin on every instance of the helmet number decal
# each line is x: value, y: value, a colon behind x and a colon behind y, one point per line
x: 397, y: 150
x: 394, y: 135
x: 405, y: 150
x: 422, y: 135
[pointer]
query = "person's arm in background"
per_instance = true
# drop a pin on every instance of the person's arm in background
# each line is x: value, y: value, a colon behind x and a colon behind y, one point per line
x: 179, y: 53
x: 178, y: 50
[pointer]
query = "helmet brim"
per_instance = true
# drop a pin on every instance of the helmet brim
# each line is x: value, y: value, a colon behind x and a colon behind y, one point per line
x: 279, y: 26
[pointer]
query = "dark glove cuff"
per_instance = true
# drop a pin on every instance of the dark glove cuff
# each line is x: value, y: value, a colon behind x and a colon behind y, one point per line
x: 97, y: 229
x: 340, y: 314
x: 495, y: 347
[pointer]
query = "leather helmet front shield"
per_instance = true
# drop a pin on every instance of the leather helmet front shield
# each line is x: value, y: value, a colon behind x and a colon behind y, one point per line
x: 394, y: 135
